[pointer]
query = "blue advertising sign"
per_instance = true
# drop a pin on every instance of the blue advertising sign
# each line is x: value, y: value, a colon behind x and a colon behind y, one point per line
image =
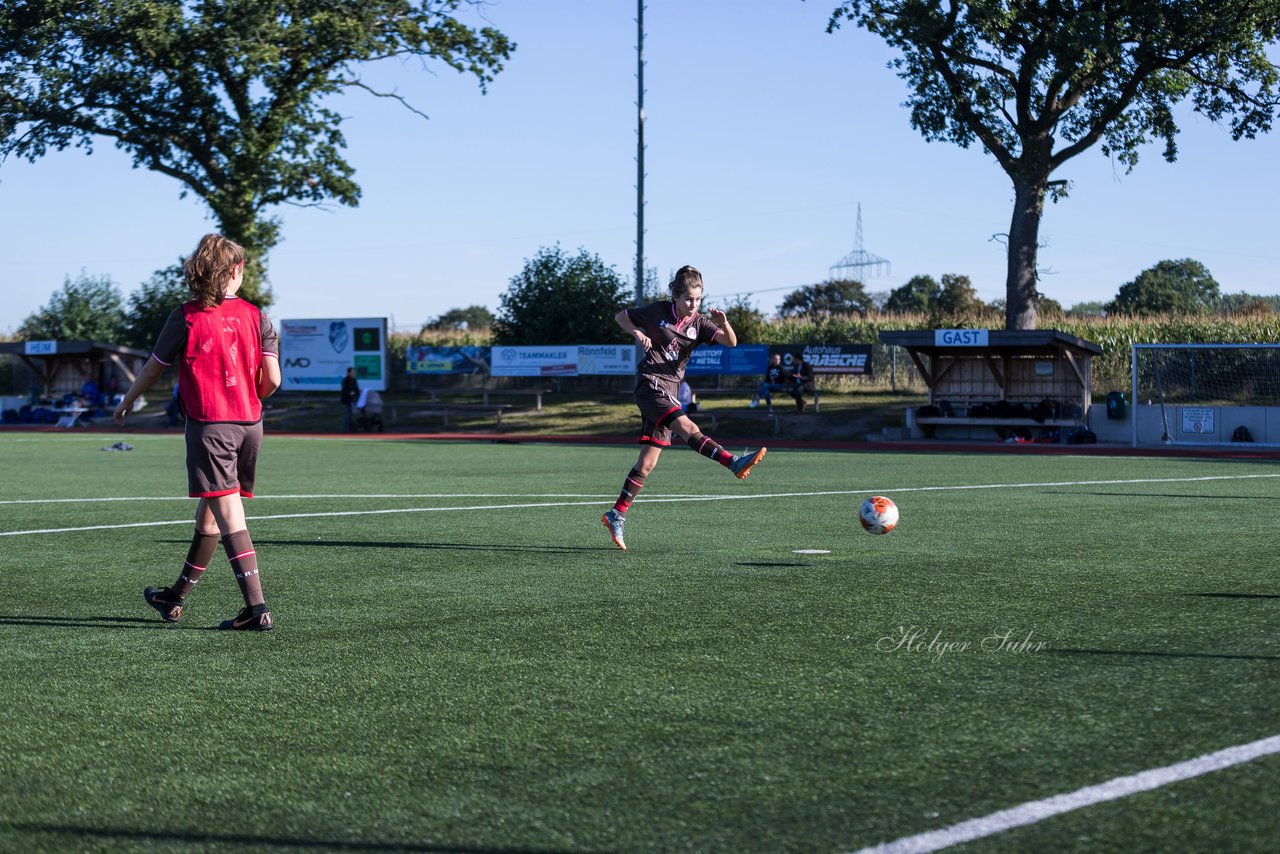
x: 744, y: 360
x: 705, y: 361
x: 446, y: 360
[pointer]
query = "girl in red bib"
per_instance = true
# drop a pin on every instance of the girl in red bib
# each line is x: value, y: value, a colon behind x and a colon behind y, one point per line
x: 227, y: 353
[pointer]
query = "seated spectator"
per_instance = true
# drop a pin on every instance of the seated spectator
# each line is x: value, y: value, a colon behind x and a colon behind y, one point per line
x: 775, y: 377
x: 801, y: 380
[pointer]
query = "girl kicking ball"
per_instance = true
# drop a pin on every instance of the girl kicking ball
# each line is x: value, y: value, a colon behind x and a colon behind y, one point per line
x: 669, y: 331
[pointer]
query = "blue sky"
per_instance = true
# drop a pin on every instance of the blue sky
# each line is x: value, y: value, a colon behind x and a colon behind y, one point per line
x: 764, y: 134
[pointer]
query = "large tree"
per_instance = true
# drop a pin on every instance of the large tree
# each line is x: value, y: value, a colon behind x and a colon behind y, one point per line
x: 957, y: 296
x: 87, y: 308
x: 918, y: 294
x: 226, y: 96
x: 1036, y: 83
x: 1179, y: 287
x: 562, y: 299
x: 834, y: 296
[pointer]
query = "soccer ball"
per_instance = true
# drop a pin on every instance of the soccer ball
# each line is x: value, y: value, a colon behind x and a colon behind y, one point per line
x: 878, y: 515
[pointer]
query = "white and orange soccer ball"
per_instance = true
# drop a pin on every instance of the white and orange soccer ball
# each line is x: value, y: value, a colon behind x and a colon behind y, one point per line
x: 878, y: 515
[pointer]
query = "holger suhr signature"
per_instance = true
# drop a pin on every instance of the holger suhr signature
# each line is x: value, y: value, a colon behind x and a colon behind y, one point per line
x: 919, y: 639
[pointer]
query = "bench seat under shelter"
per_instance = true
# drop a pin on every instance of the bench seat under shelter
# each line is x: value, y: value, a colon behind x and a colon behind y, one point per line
x: 1025, y: 367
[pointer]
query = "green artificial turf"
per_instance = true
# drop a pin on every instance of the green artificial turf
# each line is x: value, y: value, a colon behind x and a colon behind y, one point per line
x: 462, y: 660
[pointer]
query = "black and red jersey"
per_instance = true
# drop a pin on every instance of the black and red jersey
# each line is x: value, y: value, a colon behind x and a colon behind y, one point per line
x: 673, y: 339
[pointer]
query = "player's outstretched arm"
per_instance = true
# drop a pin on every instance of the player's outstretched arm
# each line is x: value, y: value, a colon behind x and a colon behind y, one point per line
x: 147, y: 377
x: 624, y: 320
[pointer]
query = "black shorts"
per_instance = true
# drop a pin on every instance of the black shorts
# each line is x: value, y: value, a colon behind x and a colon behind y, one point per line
x: 658, y: 408
x: 222, y: 458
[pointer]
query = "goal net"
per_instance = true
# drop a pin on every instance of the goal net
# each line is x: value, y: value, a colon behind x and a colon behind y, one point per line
x: 1206, y: 394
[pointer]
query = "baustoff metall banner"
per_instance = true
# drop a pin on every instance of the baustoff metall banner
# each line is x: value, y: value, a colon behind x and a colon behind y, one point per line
x: 743, y: 360
x: 315, y: 354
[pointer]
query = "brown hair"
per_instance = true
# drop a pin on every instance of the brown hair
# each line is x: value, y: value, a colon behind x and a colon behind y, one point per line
x: 210, y: 266
x: 687, y: 278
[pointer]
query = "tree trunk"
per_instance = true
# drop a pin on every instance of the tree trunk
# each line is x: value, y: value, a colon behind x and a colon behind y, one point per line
x: 1024, y: 238
x: 258, y: 235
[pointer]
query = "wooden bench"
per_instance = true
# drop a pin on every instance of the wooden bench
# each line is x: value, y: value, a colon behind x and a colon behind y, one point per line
x: 395, y: 411
x: 1061, y: 424
x: 962, y: 421
x: 536, y: 393
x: 751, y: 392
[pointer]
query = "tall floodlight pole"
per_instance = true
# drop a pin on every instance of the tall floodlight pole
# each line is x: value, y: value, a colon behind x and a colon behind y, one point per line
x: 639, y: 152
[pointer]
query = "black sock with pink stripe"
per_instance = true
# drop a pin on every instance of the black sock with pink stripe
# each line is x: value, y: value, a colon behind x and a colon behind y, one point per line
x: 244, y: 563
x: 707, y: 446
x: 630, y: 488
x: 198, y: 556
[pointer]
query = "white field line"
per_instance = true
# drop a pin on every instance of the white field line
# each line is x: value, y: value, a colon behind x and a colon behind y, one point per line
x: 771, y: 496
x: 309, y: 497
x: 1035, y: 811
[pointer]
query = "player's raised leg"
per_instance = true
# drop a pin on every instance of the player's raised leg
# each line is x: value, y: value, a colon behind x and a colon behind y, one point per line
x: 711, y: 449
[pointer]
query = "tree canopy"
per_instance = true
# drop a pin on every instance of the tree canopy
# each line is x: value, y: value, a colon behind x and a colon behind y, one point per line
x: 1090, y: 308
x: 561, y: 299
x: 1170, y: 287
x: 834, y: 296
x: 226, y: 98
x: 957, y: 296
x: 151, y: 304
x: 917, y: 295
x: 1038, y: 83
x: 747, y: 321
x: 87, y: 308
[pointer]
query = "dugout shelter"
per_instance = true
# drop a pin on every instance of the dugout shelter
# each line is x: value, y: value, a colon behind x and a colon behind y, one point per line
x: 62, y: 367
x: 980, y: 380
